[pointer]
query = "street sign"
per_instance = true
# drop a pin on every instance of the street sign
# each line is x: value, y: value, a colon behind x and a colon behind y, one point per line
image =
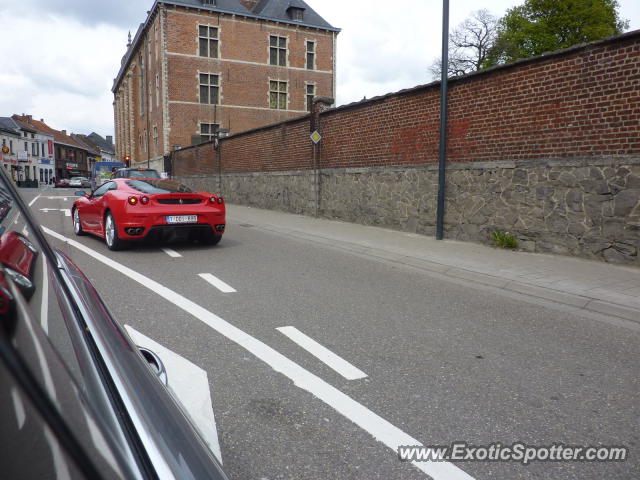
x: 316, y: 137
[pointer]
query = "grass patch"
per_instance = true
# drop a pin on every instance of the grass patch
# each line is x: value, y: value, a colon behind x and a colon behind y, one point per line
x: 504, y: 239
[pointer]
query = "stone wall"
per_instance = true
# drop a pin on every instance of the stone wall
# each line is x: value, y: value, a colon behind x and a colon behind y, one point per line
x: 586, y: 207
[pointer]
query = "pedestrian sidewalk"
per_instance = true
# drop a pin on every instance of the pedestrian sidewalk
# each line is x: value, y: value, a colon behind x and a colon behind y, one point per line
x: 596, y: 286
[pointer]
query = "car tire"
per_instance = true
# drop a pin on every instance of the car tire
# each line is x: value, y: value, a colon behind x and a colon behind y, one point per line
x: 77, y: 226
x: 111, y: 234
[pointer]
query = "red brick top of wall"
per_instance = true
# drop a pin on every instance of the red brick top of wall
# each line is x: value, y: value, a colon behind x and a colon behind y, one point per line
x: 582, y: 102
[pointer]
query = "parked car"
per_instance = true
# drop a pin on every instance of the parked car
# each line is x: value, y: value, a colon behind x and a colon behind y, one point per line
x: 135, y: 173
x: 62, y: 183
x: 79, y: 400
x: 82, y: 182
x: 135, y: 209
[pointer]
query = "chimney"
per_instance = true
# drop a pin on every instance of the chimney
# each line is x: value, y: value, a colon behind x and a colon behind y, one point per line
x: 42, y: 120
x: 29, y: 119
x: 110, y: 139
x: 64, y: 132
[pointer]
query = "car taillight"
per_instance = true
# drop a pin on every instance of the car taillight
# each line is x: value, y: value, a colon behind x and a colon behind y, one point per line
x: 220, y: 200
x: 144, y: 200
x: 216, y: 199
x: 132, y: 200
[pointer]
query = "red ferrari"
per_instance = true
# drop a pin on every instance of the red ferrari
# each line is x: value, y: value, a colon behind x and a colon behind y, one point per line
x: 129, y: 209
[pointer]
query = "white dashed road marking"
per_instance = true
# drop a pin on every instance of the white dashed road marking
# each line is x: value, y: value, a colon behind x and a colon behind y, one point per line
x: 216, y: 282
x: 171, y: 253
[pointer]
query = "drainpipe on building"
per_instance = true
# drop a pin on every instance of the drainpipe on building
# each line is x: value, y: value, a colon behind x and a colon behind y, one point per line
x: 314, y: 125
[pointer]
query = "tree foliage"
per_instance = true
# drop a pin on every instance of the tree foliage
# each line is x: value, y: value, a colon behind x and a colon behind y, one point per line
x: 469, y: 44
x: 541, y: 26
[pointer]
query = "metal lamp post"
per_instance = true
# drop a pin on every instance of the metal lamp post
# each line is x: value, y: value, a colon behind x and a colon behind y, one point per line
x: 442, y: 164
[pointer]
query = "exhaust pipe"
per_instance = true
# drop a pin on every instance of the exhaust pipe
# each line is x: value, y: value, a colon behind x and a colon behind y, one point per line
x: 133, y: 231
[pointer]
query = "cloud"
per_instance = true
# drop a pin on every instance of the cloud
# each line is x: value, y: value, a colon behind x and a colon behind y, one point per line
x: 122, y: 13
x: 53, y: 75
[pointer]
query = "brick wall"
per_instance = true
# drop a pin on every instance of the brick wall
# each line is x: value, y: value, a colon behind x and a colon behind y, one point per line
x: 581, y: 102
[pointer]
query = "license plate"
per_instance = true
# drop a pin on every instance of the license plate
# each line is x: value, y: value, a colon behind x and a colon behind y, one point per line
x: 182, y: 218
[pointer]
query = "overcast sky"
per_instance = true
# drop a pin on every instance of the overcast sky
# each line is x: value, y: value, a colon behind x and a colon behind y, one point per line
x: 59, y: 57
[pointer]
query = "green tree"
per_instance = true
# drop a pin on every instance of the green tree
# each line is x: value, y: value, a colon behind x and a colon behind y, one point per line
x: 541, y: 26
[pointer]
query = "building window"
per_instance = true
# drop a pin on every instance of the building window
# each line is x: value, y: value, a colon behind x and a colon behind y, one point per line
x: 296, y: 13
x: 11, y: 146
x: 278, y: 50
x: 26, y: 147
x: 208, y: 131
x: 208, y: 41
x: 155, y: 139
x: 311, y: 92
x: 209, y: 88
x: 278, y: 95
x: 311, y: 55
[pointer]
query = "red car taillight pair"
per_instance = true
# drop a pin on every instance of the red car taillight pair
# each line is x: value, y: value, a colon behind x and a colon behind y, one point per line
x: 134, y: 200
x: 219, y: 200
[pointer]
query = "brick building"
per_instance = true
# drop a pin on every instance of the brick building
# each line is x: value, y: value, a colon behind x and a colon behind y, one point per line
x: 196, y: 67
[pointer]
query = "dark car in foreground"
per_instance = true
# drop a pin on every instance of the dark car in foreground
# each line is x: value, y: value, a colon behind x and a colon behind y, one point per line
x: 133, y: 209
x: 79, y: 399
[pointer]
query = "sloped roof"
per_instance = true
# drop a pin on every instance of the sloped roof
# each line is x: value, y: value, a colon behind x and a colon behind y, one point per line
x: 101, y: 143
x: 83, y: 140
x: 21, y: 125
x: 58, y: 136
x: 277, y: 10
x: 8, y: 125
x: 231, y: 6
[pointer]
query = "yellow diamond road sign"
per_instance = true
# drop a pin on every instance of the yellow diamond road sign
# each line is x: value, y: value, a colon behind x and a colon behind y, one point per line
x: 315, y: 136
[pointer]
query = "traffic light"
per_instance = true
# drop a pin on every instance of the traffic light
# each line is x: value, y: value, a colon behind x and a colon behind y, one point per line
x: 127, y: 160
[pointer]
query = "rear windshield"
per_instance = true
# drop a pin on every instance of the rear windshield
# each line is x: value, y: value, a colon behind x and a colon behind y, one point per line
x: 140, y: 173
x: 158, y: 186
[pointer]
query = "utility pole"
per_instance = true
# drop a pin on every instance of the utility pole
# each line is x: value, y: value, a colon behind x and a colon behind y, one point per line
x: 442, y: 164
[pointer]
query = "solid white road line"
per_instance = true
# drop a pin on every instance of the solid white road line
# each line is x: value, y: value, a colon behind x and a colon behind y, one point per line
x: 190, y: 384
x: 376, y: 426
x: 171, y: 253
x: 322, y: 353
x: 216, y: 282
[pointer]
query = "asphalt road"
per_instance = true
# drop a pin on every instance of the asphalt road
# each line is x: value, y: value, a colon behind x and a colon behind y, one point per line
x: 443, y: 361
